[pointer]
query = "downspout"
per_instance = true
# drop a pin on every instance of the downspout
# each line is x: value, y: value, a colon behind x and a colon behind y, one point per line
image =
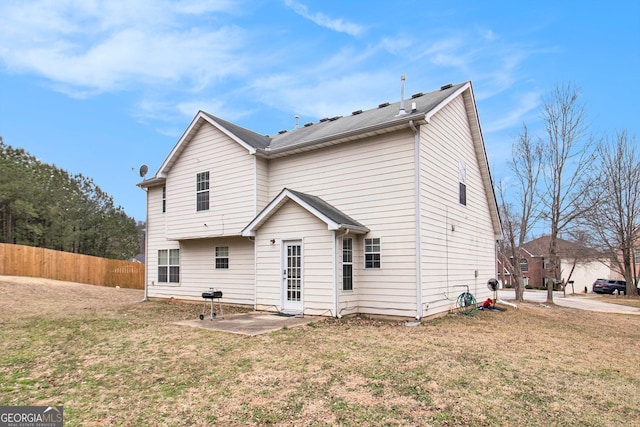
x: 255, y: 245
x: 418, y: 193
x: 146, y: 251
x: 335, y: 273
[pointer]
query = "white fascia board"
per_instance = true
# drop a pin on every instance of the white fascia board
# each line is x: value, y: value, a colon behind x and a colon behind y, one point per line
x: 224, y: 130
x: 186, y: 137
x: 250, y: 229
x: 448, y: 99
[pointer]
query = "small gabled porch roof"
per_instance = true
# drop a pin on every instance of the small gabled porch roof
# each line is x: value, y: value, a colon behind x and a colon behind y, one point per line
x: 330, y: 215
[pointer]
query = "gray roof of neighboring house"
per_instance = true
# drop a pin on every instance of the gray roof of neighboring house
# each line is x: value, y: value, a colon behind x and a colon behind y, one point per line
x: 384, y: 115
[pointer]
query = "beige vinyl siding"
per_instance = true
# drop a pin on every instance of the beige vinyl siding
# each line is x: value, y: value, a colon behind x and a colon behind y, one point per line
x: 231, y: 187
x: 198, y: 273
x: 457, y: 240
x: 262, y: 184
x: 371, y: 180
x: 348, y: 301
x: 292, y: 222
x: 156, y: 239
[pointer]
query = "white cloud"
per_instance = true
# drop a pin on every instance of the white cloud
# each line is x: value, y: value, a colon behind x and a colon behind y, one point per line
x: 86, y: 47
x: 340, y: 25
x: 516, y: 116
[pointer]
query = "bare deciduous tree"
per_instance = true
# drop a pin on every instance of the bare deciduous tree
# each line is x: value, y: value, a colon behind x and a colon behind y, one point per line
x: 615, y: 213
x: 519, y: 205
x: 568, y: 157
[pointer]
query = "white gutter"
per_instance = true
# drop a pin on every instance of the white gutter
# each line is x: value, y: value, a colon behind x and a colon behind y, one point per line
x: 416, y: 133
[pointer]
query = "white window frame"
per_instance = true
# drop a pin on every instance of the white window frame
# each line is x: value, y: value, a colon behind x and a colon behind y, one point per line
x: 222, y: 257
x: 462, y: 183
x: 371, y: 261
x: 202, y: 190
x: 164, y: 198
x: 347, y: 264
x: 171, y: 263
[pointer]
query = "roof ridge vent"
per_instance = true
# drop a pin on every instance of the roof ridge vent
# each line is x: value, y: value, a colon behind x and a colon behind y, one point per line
x: 447, y: 86
x: 324, y: 119
x: 417, y: 95
x: 355, y: 113
x: 308, y: 124
x: 334, y: 118
x: 384, y: 104
x: 282, y: 131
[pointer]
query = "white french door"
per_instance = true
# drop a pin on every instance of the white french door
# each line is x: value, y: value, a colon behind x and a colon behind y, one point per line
x: 292, y: 276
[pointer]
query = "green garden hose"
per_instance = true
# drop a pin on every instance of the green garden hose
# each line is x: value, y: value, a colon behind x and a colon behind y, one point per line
x: 466, y: 304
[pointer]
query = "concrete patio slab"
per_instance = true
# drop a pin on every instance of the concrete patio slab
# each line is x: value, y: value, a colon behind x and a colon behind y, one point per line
x: 250, y: 324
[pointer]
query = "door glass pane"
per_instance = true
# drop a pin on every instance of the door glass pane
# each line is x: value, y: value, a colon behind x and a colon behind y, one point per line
x: 294, y: 273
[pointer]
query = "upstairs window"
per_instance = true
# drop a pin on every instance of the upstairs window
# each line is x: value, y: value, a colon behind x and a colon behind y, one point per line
x: 524, y: 265
x: 372, y: 253
x: 169, y: 266
x: 222, y: 257
x: 164, y: 199
x: 202, y: 191
x: 347, y: 264
x: 462, y: 182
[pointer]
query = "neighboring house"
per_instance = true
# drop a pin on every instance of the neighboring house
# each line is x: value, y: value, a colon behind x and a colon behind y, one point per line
x: 578, y: 264
x: 381, y: 212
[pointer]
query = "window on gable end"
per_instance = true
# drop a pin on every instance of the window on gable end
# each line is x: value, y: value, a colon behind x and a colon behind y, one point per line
x: 462, y: 182
x: 164, y: 199
x: 202, y: 191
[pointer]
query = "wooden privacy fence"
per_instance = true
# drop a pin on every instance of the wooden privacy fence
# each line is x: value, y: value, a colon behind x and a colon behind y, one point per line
x: 18, y: 260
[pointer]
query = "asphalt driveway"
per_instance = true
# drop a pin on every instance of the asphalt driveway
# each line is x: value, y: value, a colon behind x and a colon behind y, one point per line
x: 591, y: 302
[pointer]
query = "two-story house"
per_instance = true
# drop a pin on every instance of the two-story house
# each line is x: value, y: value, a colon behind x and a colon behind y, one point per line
x: 388, y: 211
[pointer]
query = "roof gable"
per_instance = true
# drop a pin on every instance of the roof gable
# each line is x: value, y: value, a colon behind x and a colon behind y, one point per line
x: 246, y: 138
x: 330, y: 215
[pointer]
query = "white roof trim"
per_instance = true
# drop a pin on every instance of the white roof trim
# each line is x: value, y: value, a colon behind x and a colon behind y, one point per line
x: 186, y: 138
x: 446, y: 101
x: 284, y: 196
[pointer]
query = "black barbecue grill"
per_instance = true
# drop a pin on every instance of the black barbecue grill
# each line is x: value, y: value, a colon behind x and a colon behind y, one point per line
x: 211, y: 295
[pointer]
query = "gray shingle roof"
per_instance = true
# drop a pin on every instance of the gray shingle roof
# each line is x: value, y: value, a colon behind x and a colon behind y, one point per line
x: 384, y: 115
x: 327, y: 210
x: 250, y: 137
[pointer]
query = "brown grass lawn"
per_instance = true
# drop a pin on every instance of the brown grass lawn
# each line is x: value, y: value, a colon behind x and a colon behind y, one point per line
x: 110, y: 361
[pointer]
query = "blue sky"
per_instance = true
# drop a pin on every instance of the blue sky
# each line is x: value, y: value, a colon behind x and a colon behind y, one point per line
x: 102, y: 87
